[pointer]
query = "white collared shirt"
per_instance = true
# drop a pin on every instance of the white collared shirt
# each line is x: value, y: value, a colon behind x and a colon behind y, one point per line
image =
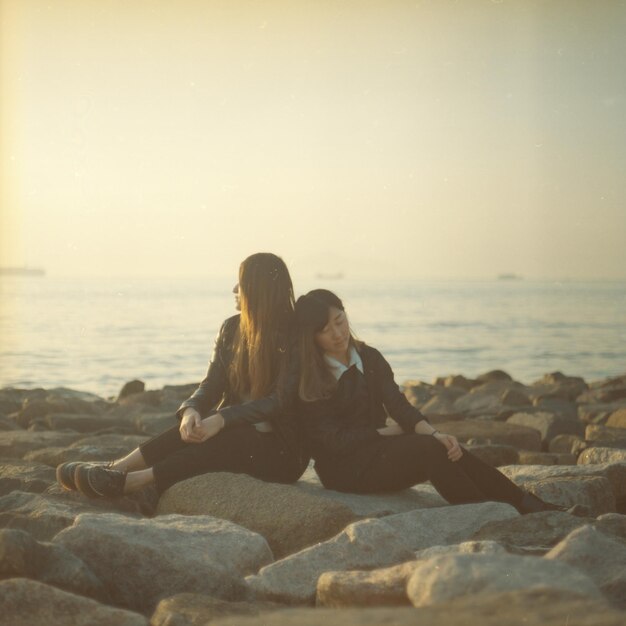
x: 337, y: 368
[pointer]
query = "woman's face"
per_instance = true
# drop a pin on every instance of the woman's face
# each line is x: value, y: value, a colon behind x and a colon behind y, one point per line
x: 334, y: 338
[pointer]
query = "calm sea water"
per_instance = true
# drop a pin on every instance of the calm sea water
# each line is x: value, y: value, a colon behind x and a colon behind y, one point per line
x: 95, y: 335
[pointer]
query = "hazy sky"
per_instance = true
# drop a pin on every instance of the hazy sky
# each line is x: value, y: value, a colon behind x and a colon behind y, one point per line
x: 418, y: 139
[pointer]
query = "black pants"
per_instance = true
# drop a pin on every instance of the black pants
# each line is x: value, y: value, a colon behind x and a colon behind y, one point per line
x: 401, y: 461
x: 240, y: 450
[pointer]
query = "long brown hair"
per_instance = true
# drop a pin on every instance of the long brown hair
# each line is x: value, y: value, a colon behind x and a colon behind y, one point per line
x: 312, y: 314
x: 267, y: 314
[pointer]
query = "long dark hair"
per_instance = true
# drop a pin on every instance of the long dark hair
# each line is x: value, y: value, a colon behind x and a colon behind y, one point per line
x: 267, y: 315
x: 312, y: 314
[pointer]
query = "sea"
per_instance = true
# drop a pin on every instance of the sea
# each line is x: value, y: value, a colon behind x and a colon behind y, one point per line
x: 96, y: 334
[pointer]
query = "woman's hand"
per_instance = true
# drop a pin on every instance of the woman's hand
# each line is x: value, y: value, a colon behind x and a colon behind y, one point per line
x: 455, y: 452
x: 190, y: 421
x: 209, y: 427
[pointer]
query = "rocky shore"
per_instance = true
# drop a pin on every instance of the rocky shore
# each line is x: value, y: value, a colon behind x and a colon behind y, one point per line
x: 227, y: 549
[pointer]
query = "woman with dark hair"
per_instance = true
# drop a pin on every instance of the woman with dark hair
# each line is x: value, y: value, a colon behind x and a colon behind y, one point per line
x: 347, y: 389
x: 240, y: 417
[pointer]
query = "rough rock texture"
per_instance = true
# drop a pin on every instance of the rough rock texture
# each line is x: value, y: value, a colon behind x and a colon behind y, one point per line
x: 494, y: 454
x: 142, y: 561
x: 192, y: 609
x: 520, y: 437
x: 30, y: 603
x: 23, y: 476
x: 14, y: 444
x: 535, y: 607
x: 287, y: 517
x: 602, y: 557
x: 23, y: 556
x: 529, y: 457
x: 567, y: 444
x: 593, y: 456
x: 535, y: 533
x: 617, y: 419
x: 387, y: 586
x: 548, y: 425
x: 373, y: 543
x: 603, y: 434
x: 443, y: 578
x: 593, y: 492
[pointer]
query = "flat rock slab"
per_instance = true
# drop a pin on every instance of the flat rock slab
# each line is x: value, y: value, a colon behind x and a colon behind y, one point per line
x: 193, y: 609
x: 23, y: 476
x: 539, y: 607
x: 442, y: 578
x: 142, y: 561
x: 520, y: 437
x: 602, y: 557
x: 30, y: 603
x: 15, y: 444
x: 373, y: 543
x: 287, y: 517
x: 597, y: 455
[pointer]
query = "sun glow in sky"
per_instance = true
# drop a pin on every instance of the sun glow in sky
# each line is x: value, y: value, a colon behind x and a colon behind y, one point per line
x: 417, y: 139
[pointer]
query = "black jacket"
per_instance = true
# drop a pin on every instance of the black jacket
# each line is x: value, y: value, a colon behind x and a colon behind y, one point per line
x: 339, y: 426
x: 215, y: 393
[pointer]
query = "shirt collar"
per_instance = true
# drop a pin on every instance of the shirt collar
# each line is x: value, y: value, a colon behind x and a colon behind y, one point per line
x: 337, y: 368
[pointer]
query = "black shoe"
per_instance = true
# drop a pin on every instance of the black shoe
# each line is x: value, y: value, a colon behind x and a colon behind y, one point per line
x: 533, y: 504
x: 66, y: 473
x: 96, y: 481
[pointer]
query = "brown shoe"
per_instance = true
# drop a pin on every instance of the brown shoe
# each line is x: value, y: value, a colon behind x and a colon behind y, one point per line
x: 66, y: 473
x: 95, y: 481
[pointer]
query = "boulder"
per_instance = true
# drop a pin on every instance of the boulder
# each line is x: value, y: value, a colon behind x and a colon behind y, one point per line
x: 440, y: 405
x: 154, y: 423
x: 558, y: 385
x: 531, y: 534
x: 521, y: 437
x: 443, y: 578
x: 82, y: 422
x: 599, y: 454
x: 563, y: 408
x: 566, y: 444
x: 602, y: 557
x: 515, y: 397
x: 617, y: 419
x: 30, y: 603
x: 417, y: 392
x: 612, y: 524
x: 193, y: 609
x: 615, y: 437
x: 131, y: 387
x: 142, y: 561
x: 494, y: 376
x: 495, y: 454
x: 23, y: 476
x: 386, y: 586
x: 460, y: 382
x: 530, y: 457
x: 371, y: 544
x: 548, y: 425
x: 484, y: 399
x: 286, y: 516
x: 23, y: 556
x: 14, y: 444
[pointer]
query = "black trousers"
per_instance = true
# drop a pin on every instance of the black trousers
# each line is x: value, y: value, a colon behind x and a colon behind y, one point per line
x: 240, y: 450
x: 401, y: 461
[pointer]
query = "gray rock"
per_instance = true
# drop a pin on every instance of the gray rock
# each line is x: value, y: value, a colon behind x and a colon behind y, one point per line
x: 441, y: 404
x: 154, y: 423
x: 193, y: 609
x: 23, y: 476
x: 23, y: 556
x: 612, y: 524
x: 596, y: 455
x: 484, y: 398
x: 593, y: 492
x: 494, y: 376
x: 30, y: 603
x: 566, y: 444
x: 495, y: 454
x: 515, y: 397
x: 601, y: 557
x: 617, y: 419
x: 531, y: 534
x: 530, y: 457
x: 521, y: 437
x: 443, y: 578
x: 254, y: 504
x: 14, y: 444
x: 131, y: 387
x: 598, y: 433
x: 563, y: 408
x: 548, y: 425
x: 142, y: 561
x: 82, y: 422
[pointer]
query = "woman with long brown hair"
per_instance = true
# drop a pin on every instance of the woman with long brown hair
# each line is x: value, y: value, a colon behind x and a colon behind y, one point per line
x: 239, y: 419
x: 346, y: 391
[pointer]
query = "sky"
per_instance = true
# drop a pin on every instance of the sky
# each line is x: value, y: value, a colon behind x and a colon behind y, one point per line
x: 375, y: 138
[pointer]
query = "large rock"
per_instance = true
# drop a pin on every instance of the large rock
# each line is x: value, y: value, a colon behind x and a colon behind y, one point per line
x: 530, y: 457
x: 83, y: 422
x: 23, y: 556
x: 617, y: 419
x: 531, y: 534
x: 23, y: 476
x: 287, y: 517
x: 371, y: 544
x: 142, y: 561
x: 30, y: 603
x: 596, y: 455
x: 193, y: 609
x: 521, y: 437
x: 601, y: 557
x: 566, y: 444
x: 534, y: 607
x: 604, y: 435
x: 558, y: 385
x: 548, y: 425
x: 484, y: 399
x: 443, y: 578
x: 386, y: 586
x: 593, y: 492
x: 495, y: 454
x: 14, y: 444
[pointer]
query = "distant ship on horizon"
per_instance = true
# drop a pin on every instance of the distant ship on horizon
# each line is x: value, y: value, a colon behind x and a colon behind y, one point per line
x: 22, y: 271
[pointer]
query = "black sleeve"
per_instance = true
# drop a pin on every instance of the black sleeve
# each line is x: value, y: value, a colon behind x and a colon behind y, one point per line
x: 324, y: 429
x: 212, y: 388
x: 395, y: 402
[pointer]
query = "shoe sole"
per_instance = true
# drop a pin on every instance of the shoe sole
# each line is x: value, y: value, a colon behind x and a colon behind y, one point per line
x: 65, y: 475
